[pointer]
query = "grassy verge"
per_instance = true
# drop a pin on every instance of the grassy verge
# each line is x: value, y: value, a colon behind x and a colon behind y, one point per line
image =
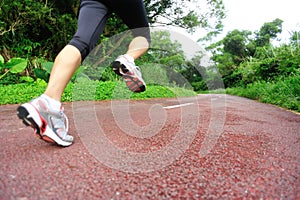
x: 283, y: 92
x: 87, y: 90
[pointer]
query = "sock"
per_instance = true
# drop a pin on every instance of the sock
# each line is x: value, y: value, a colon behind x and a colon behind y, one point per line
x: 56, y: 105
x: 129, y: 58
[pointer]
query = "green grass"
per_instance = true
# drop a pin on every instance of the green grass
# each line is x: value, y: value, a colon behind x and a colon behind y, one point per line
x: 88, y: 90
x: 20, y: 93
x: 282, y: 92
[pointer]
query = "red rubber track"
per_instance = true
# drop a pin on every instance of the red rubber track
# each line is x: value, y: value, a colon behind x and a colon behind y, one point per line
x: 257, y: 156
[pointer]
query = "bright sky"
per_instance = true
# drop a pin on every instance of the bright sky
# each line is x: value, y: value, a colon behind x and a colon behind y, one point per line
x: 248, y: 15
x: 252, y: 14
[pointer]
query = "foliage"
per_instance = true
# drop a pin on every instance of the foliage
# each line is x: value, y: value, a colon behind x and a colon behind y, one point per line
x: 38, y: 30
x: 164, y: 63
x: 237, y: 44
x: 187, y: 14
x: 33, y: 32
x: 281, y: 92
x: 155, y: 74
x: 41, y: 28
x: 44, y: 71
x: 243, y: 57
x: 22, y: 92
x: 284, y: 61
x: 295, y: 38
x: 267, y: 32
x: 252, y: 67
x: 33, y: 28
x: 9, y: 70
x: 15, y: 70
x: 83, y: 90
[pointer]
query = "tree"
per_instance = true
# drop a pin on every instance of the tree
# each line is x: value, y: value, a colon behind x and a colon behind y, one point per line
x: 238, y: 47
x: 168, y: 54
x: 268, y: 31
x: 295, y: 38
x: 188, y: 14
x: 42, y: 28
x: 33, y: 28
x: 195, y: 73
x: 238, y: 44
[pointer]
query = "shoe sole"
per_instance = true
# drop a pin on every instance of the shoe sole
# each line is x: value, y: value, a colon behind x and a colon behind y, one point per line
x: 132, y: 82
x: 31, y: 117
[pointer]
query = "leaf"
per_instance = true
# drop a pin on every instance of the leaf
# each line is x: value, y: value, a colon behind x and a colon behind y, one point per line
x: 47, y: 66
x: 27, y: 79
x: 1, y: 59
x: 41, y: 74
x: 14, y: 61
x: 18, y: 67
x: 1, y: 62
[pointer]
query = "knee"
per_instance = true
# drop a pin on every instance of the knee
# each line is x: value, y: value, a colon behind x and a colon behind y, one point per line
x: 83, y: 47
x: 143, y: 32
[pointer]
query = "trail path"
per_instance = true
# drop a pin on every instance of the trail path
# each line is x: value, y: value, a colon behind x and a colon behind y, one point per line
x: 208, y: 147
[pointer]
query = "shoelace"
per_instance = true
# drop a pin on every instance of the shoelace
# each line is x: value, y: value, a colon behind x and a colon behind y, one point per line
x: 66, y: 120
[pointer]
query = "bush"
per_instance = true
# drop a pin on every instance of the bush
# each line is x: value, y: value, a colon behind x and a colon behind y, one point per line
x: 34, y: 28
x: 84, y: 90
x: 282, y: 92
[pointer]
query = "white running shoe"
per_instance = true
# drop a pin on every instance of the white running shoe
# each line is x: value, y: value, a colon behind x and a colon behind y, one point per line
x: 125, y: 67
x: 49, y: 125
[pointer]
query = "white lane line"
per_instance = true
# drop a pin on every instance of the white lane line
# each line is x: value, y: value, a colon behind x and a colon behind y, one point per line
x: 177, y: 106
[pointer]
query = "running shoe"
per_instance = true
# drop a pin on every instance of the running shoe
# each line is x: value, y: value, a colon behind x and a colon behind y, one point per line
x: 125, y: 67
x: 49, y: 125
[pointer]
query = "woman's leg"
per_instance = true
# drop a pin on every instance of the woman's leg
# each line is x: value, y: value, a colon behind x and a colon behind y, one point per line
x: 134, y: 15
x: 91, y: 22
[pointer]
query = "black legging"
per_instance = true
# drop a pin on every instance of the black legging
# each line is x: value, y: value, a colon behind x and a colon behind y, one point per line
x: 93, y: 16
